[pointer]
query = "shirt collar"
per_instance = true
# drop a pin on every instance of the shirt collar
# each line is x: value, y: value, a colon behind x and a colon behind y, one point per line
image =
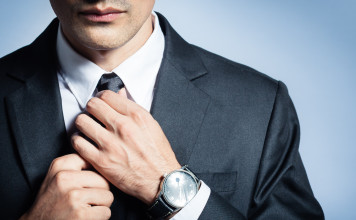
x: 138, y: 72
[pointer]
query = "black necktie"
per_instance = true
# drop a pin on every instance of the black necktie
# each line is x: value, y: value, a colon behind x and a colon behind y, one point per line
x: 110, y: 81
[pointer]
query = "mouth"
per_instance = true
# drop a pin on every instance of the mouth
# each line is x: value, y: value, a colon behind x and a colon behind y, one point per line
x: 105, y: 15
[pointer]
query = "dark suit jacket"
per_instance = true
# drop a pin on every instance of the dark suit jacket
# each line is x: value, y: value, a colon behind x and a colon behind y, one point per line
x: 235, y: 127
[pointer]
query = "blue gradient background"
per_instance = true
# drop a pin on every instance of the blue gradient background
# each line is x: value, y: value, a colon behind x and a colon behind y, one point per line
x: 308, y: 44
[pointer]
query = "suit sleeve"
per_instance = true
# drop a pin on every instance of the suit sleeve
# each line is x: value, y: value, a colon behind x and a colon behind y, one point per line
x: 282, y: 189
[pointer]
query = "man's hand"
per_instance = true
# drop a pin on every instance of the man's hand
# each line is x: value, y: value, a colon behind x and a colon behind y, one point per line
x: 132, y: 151
x: 69, y: 192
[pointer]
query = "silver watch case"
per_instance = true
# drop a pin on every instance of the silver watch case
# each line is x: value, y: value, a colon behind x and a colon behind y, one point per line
x: 179, y: 187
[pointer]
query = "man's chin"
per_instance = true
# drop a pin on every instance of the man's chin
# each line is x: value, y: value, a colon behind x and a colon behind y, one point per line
x: 98, y: 40
x: 106, y: 43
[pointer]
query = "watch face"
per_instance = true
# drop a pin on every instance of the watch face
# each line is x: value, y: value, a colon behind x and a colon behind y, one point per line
x: 179, y: 188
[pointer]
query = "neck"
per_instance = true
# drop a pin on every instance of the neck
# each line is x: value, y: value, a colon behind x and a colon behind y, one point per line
x: 110, y: 59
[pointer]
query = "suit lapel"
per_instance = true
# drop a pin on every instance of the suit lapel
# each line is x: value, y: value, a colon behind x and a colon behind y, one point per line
x: 179, y: 108
x: 35, y: 111
x: 178, y: 105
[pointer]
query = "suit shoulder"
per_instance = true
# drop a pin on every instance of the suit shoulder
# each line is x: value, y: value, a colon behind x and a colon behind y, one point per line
x: 227, y: 75
x: 13, y: 60
x: 12, y: 67
x: 213, y: 60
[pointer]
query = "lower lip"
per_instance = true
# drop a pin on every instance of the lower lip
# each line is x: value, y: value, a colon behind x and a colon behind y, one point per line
x: 102, y: 17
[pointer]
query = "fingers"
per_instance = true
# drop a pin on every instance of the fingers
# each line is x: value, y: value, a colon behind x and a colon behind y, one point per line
x: 104, y: 113
x: 96, y: 197
x: 66, y: 180
x: 122, y: 92
x: 119, y: 102
x: 98, y: 212
x: 91, y: 196
x: 92, y: 129
x: 126, y: 107
x: 68, y: 162
x: 86, y: 179
x: 86, y: 149
x: 94, y: 203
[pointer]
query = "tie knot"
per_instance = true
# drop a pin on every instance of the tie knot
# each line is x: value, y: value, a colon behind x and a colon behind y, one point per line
x: 110, y: 81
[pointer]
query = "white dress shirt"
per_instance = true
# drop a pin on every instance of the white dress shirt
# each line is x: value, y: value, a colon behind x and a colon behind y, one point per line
x: 79, y: 76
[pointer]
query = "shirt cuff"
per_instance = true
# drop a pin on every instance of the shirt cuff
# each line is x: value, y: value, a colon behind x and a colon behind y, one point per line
x: 196, y: 206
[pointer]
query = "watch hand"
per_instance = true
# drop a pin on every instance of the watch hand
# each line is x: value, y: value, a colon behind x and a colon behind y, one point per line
x: 180, y: 189
x: 185, y: 194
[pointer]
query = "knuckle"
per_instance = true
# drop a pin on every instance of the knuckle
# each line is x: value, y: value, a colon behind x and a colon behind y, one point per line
x: 106, y: 213
x: 110, y: 197
x: 107, y: 144
x: 105, y: 164
x: 102, y: 182
x: 122, y: 125
x: 106, y: 185
x: 138, y: 116
x: 60, y: 180
x: 118, y: 122
x: 125, y: 131
x: 73, y: 196
x: 58, y: 163
x: 61, y: 176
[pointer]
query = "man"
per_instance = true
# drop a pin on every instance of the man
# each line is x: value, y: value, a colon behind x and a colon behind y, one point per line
x: 172, y: 105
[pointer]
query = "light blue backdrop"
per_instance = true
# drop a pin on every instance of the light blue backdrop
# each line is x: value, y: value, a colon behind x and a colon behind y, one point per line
x: 310, y: 45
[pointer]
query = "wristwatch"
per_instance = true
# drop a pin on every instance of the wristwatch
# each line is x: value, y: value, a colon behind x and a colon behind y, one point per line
x: 177, y: 189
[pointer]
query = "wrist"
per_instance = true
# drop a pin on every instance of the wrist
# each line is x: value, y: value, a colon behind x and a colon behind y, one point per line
x: 177, y: 189
x: 155, y: 188
x: 151, y: 193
